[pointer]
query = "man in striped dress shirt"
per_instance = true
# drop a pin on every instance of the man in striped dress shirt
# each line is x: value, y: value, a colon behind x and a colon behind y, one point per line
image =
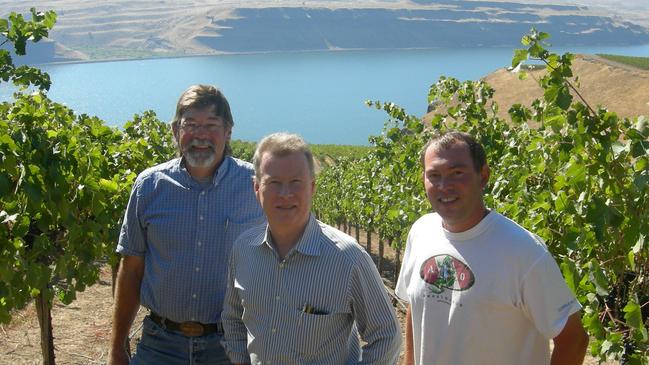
x: 300, y: 291
x: 181, y: 221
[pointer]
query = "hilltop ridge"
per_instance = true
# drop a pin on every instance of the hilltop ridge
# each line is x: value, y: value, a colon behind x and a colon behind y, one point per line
x: 147, y: 28
x: 620, y: 88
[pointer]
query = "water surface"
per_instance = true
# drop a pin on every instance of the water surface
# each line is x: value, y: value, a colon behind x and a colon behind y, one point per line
x: 319, y: 95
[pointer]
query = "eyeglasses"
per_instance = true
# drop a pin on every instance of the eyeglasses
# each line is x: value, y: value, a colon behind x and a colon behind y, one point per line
x: 195, y: 127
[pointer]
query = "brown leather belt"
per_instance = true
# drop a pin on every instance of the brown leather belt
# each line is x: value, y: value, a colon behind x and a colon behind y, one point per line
x: 189, y: 329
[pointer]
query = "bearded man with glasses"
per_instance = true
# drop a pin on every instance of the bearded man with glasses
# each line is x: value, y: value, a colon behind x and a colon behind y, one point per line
x: 182, y: 218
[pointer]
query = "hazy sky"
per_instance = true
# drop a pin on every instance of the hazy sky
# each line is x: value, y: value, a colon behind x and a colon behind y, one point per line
x: 634, y: 4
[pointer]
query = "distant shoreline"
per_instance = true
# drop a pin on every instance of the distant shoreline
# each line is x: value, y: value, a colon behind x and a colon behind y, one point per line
x: 221, y: 53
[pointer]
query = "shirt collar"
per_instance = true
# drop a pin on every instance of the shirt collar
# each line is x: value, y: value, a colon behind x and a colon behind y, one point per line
x: 308, y: 244
x: 220, y: 172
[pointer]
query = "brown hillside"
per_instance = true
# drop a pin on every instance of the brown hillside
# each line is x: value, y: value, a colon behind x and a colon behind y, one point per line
x: 622, y: 89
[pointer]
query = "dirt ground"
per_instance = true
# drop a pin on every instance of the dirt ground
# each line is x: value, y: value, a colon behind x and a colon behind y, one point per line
x: 82, y: 329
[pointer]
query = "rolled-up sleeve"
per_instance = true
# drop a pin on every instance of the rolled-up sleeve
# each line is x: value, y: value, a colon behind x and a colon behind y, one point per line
x: 374, y: 314
x: 235, y: 333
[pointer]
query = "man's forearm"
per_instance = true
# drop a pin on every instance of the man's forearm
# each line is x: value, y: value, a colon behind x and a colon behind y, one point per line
x: 127, y: 300
x: 409, y: 354
x: 569, y: 354
x: 570, y: 345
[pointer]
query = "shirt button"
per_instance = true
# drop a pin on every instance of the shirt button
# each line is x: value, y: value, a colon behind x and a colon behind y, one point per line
x: 277, y: 297
x: 202, y: 193
x: 193, y: 319
x: 194, y: 296
x: 201, y: 217
x: 274, y: 330
x: 281, y: 266
x: 198, y: 269
x: 199, y: 243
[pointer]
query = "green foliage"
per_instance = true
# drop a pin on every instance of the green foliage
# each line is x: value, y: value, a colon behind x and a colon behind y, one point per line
x: 17, y: 31
x: 64, y: 183
x: 327, y: 153
x: 324, y: 154
x: 243, y: 149
x: 639, y: 62
x: 53, y: 200
x: 380, y: 191
x: 580, y: 180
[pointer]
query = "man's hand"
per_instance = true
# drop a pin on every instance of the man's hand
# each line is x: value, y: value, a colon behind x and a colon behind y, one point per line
x: 570, y: 345
x: 118, y: 357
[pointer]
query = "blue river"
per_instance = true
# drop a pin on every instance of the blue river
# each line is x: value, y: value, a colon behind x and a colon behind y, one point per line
x: 320, y: 95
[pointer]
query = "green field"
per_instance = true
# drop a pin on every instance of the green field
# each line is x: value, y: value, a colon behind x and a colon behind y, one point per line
x: 324, y: 153
x: 639, y: 62
x: 335, y: 151
x: 99, y: 53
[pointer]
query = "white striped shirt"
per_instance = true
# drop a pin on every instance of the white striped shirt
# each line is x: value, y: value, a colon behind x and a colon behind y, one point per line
x: 264, y: 310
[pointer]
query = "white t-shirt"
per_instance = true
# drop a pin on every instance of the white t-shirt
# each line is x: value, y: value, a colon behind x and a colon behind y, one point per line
x: 489, y: 295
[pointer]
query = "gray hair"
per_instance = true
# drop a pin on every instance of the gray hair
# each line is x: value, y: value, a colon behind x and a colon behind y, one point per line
x: 282, y: 144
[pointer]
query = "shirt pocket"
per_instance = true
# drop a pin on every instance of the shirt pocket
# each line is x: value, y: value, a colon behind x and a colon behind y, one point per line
x: 319, y: 332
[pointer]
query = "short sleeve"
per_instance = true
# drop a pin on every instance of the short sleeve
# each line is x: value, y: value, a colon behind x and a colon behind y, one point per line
x: 132, y: 240
x: 547, y: 300
x: 405, y: 274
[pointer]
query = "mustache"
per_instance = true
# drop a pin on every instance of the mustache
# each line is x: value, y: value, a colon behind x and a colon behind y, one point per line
x: 196, y: 142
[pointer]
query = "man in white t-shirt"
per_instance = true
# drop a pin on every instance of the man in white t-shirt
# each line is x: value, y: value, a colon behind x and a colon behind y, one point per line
x: 481, y: 289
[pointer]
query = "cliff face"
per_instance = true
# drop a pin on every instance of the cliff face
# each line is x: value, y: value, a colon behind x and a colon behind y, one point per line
x: 293, y: 29
x: 146, y: 28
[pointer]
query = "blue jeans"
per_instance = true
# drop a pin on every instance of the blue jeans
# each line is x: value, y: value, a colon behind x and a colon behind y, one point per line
x: 160, y: 346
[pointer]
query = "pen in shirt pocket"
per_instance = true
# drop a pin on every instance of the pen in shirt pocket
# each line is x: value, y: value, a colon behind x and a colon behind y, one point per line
x: 306, y: 308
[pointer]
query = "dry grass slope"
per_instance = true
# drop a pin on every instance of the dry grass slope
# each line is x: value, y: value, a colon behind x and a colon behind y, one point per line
x: 622, y: 89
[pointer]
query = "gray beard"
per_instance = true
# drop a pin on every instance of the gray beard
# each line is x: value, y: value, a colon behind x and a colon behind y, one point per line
x: 199, y: 159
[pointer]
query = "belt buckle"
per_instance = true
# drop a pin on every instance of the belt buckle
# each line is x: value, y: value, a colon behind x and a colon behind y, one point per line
x: 191, y: 329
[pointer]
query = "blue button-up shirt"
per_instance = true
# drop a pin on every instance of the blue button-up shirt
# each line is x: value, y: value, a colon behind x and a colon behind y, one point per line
x: 185, y: 232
